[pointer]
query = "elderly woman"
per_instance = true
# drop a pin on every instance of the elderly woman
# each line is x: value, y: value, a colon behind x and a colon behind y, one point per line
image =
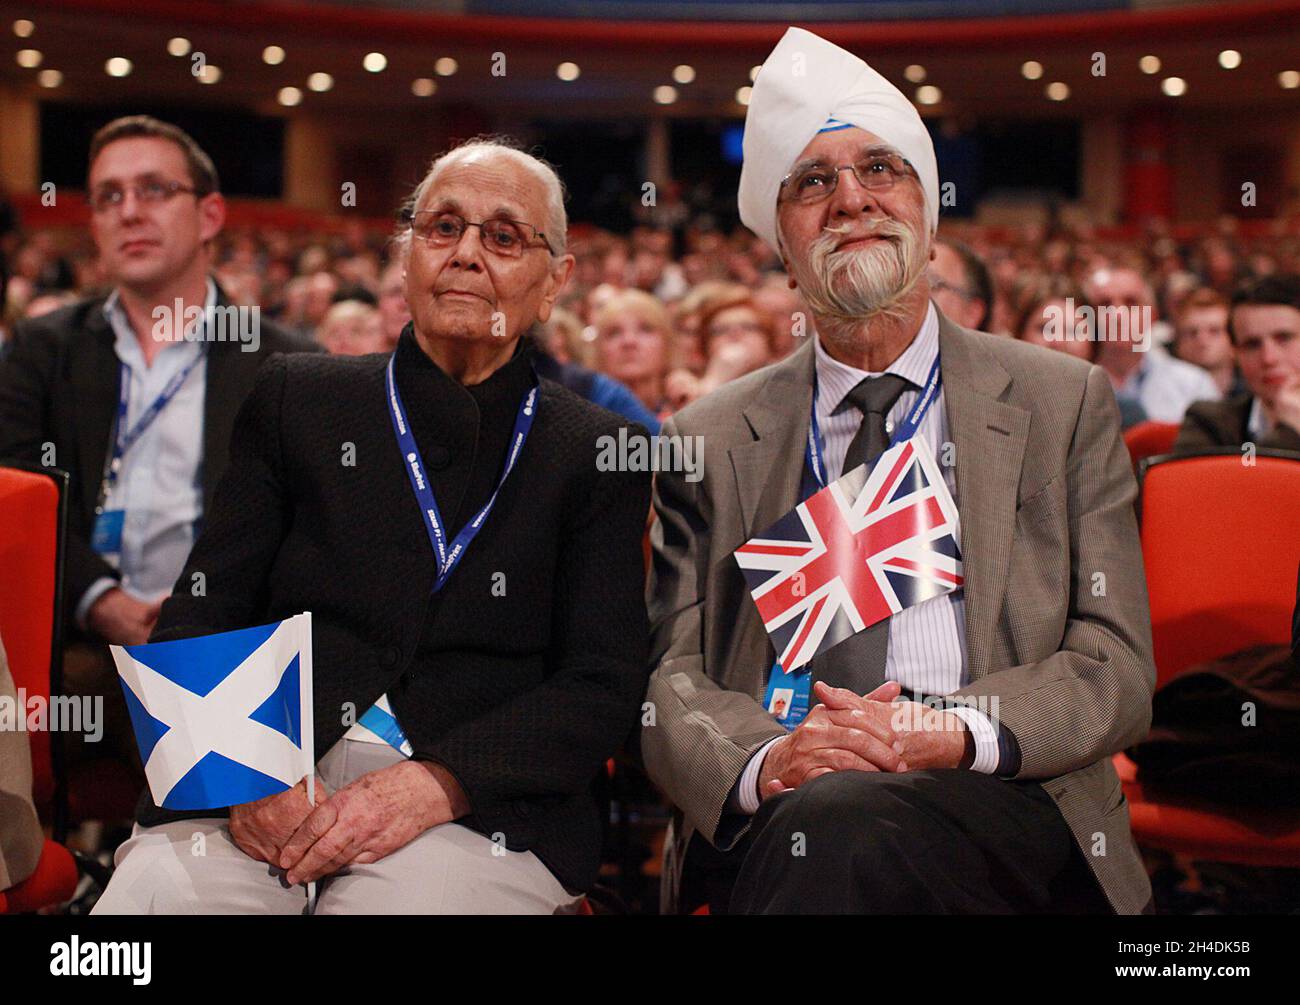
x: 475, y: 580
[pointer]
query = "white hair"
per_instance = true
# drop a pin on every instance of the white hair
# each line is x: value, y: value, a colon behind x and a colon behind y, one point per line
x: 556, y: 224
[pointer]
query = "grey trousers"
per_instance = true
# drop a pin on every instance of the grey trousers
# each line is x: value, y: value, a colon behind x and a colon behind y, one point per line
x: 193, y: 867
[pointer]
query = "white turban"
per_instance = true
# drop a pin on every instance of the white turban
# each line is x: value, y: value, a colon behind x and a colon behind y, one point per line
x: 806, y: 86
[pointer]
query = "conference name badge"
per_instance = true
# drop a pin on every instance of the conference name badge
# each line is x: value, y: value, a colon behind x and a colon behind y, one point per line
x: 106, y: 535
x: 880, y: 539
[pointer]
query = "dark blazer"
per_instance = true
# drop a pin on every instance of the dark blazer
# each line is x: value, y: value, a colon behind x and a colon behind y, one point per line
x: 59, y: 385
x: 527, y: 670
x: 1209, y: 424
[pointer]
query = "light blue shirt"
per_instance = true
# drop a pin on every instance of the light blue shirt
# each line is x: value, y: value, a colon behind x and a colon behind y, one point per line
x: 159, y: 483
x: 1165, y: 386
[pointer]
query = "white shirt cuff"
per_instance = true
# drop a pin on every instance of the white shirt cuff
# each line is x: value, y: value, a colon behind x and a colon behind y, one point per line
x: 986, y: 738
x: 96, y: 590
x: 747, y: 790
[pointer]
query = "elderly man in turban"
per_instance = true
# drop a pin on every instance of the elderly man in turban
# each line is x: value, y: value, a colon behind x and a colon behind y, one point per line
x: 956, y: 756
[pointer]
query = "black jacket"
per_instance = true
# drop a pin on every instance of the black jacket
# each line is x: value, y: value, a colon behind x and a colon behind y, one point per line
x: 1210, y: 424
x: 59, y: 385
x: 527, y: 670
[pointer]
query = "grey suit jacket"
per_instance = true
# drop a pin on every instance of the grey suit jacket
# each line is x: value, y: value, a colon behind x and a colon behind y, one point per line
x: 1210, y: 424
x: 1057, y: 622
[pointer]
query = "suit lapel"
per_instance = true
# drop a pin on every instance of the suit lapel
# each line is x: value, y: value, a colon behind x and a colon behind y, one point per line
x: 989, y: 436
x: 93, y: 374
x: 230, y: 375
x: 769, y: 469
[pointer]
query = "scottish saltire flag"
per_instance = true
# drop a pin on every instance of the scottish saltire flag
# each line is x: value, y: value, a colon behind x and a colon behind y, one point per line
x: 881, y: 538
x: 222, y: 719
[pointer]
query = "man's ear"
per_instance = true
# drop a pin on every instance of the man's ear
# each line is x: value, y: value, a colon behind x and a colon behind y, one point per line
x: 555, y: 280
x: 212, y: 216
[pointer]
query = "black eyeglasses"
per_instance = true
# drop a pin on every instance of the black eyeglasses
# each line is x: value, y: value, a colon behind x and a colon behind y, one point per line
x: 501, y: 236
x: 816, y: 182
x: 150, y: 191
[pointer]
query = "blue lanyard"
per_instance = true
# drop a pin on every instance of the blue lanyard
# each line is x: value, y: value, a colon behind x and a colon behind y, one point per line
x: 448, y: 559
x: 905, y: 430
x: 124, y: 439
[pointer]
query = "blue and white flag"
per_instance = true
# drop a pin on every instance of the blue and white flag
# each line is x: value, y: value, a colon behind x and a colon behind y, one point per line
x: 222, y: 719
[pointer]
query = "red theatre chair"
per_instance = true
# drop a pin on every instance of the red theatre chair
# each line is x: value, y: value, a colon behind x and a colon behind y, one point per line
x: 1220, y: 544
x: 33, y: 518
x: 1150, y: 439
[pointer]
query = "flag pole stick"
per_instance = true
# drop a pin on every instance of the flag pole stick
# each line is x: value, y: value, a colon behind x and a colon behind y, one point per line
x: 307, y: 711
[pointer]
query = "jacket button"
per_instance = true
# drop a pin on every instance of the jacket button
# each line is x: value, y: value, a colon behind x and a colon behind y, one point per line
x: 438, y: 458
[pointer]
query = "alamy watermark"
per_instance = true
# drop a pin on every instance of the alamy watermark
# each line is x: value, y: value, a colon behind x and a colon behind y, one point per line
x: 218, y: 323
x: 60, y: 713
x: 1085, y: 323
x: 651, y: 453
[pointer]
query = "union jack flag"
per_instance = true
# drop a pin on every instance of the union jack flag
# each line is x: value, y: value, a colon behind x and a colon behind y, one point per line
x: 881, y: 538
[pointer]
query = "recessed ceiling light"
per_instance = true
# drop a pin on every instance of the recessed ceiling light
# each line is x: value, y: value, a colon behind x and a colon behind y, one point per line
x: 178, y: 46
x: 289, y: 96
x: 1031, y: 69
x: 753, y: 73
x: 1230, y: 59
x: 118, y: 66
x: 445, y: 66
x: 375, y: 62
x: 273, y: 55
x: 1058, y: 90
x: 928, y: 94
x: 1149, y: 64
x: 567, y: 71
x: 422, y: 87
x: 915, y: 73
x: 665, y: 94
x: 320, y: 82
x: 683, y: 73
x: 1174, y: 86
x: 209, y: 74
x: 29, y: 58
x: 1290, y: 79
x: 23, y: 28
x: 49, y: 78
x: 743, y: 94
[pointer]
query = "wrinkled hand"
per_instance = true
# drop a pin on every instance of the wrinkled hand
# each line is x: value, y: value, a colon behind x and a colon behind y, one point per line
x: 372, y: 817
x: 119, y: 619
x: 260, y: 829
x: 838, y: 737
x: 929, y: 737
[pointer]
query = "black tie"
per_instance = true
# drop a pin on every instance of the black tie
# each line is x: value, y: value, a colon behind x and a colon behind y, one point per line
x: 858, y: 663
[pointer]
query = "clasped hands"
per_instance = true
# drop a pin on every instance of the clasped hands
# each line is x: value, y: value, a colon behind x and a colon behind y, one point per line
x: 850, y: 732
x: 360, y: 823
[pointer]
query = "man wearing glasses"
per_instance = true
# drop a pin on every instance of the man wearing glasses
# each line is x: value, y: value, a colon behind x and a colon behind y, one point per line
x: 953, y: 756
x: 134, y: 395
x: 476, y: 584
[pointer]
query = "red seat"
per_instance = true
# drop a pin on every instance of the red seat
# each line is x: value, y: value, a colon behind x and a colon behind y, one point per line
x: 1221, y: 548
x: 1150, y: 439
x: 53, y: 882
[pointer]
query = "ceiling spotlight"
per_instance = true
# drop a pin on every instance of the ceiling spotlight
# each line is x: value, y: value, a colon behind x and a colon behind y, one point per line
x: 210, y: 73
x: 1175, y: 87
x: 375, y: 62
x: 753, y: 73
x: 118, y: 66
x: 928, y: 94
x: 422, y: 87
x: 1230, y: 59
x: 273, y: 55
x: 743, y: 95
x: 1149, y: 64
x: 445, y: 66
x: 289, y: 96
x: 178, y: 46
x: 320, y: 82
x: 49, y: 78
x: 29, y: 58
x: 1031, y: 69
x: 567, y: 71
x: 683, y: 73
x: 915, y: 73
x: 24, y: 28
x: 1058, y: 90
x: 665, y: 94
x: 1290, y: 79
